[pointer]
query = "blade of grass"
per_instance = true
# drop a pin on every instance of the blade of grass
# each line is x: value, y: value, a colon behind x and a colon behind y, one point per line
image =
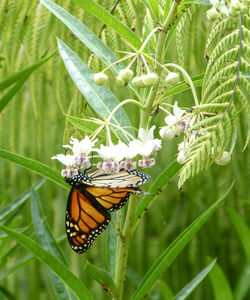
x: 34, y: 166
x: 52, y: 263
x: 100, y: 98
x: 243, y: 284
x: 188, y: 289
x: 220, y: 284
x: 48, y: 242
x: 168, y: 256
x: 27, y: 71
x: 159, y: 184
x: 241, y: 229
x: 11, y: 208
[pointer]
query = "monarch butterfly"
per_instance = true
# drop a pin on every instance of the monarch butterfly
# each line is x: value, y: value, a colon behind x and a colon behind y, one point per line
x: 93, y: 195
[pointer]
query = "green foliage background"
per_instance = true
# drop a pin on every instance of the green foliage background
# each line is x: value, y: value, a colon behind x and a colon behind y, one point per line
x: 33, y: 124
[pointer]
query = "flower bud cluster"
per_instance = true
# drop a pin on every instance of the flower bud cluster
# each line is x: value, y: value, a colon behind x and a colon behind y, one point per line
x: 115, y: 157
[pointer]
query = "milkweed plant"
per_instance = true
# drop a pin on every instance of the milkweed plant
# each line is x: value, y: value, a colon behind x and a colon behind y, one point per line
x: 206, y: 131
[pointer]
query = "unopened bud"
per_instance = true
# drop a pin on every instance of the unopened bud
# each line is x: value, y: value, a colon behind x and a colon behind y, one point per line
x: 126, y: 74
x: 150, y: 79
x: 167, y: 133
x: 212, y: 14
x: 120, y: 81
x: 138, y: 82
x: 224, y: 159
x: 172, y: 79
x: 100, y: 78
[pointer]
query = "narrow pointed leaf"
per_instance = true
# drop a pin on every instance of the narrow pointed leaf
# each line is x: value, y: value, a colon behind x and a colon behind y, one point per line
x: 34, y: 166
x: 25, y: 72
x: 158, y: 185
x: 188, y: 289
x: 107, y: 18
x: 11, y: 208
x: 220, y: 284
x: 101, y: 276
x: 100, y: 98
x: 242, y: 230
x: 52, y: 263
x: 168, y: 256
x: 48, y: 242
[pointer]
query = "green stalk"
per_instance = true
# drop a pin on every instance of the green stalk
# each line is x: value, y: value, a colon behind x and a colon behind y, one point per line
x: 126, y: 237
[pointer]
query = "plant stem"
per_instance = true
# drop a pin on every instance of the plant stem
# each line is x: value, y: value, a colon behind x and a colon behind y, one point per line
x: 124, y: 241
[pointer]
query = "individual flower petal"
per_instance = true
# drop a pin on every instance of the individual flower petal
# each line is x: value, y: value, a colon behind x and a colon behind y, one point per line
x: 84, y: 146
x: 178, y: 113
x: 67, y: 160
x: 146, y: 135
x: 113, y: 152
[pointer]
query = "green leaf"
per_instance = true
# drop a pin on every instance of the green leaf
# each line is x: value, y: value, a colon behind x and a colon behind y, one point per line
x: 48, y: 242
x: 243, y: 283
x: 87, y: 126
x: 34, y: 166
x: 158, y: 185
x: 11, y: 93
x: 84, y: 34
x: 182, y: 86
x: 100, y: 98
x: 21, y: 262
x: 101, y: 276
x: 188, y: 289
x: 153, y: 5
x: 24, y: 73
x: 107, y: 18
x: 11, y: 208
x: 242, y: 230
x: 19, y: 78
x: 168, y: 256
x: 220, y: 284
x: 52, y: 263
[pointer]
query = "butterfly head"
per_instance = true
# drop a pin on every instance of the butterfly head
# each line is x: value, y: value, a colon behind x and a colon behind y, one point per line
x: 77, y: 180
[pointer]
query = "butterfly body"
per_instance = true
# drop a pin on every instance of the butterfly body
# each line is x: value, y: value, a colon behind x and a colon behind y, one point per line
x: 92, y: 197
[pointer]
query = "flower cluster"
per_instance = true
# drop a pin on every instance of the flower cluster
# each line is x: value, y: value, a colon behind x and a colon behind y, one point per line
x: 115, y: 157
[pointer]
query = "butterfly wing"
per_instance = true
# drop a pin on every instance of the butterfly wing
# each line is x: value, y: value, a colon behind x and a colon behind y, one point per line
x: 85, y: 219
x: 123, y: 179
x: 111, y: 198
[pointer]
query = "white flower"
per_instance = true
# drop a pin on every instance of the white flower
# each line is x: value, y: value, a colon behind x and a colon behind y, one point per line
x: 113, y: 152
x: 147, y: 142
x: 68, y: 160
x: 84, y: 146
x: 173, y: 123
x: 176, y: 117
